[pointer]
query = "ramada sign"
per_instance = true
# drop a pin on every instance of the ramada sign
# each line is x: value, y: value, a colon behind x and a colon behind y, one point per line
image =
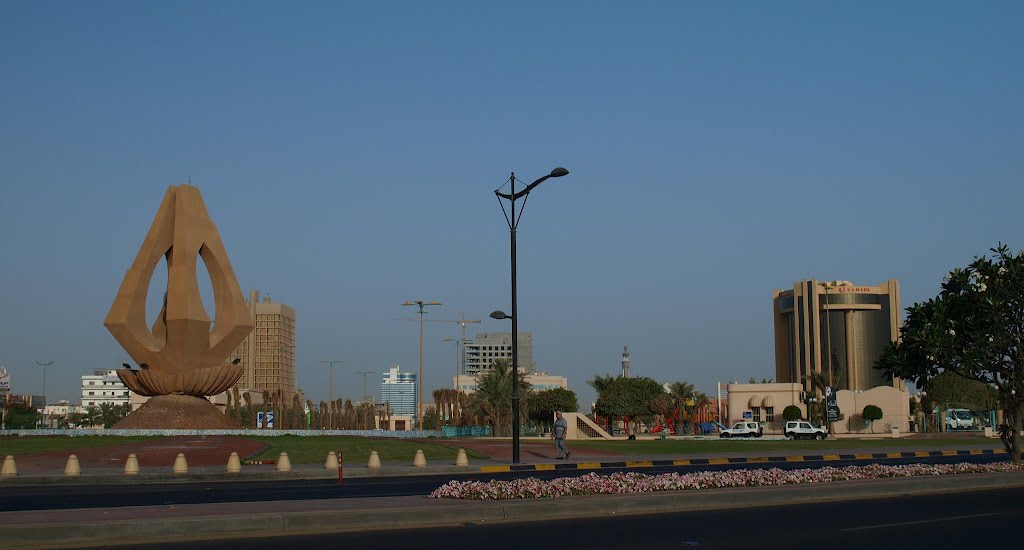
x: 843, y: 289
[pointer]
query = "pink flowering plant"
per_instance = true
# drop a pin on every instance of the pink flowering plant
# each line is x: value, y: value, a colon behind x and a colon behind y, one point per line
x: 636, y: 482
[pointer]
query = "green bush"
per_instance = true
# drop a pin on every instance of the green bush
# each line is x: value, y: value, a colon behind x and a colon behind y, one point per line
x: 791, y: 413
x: 872, y: 413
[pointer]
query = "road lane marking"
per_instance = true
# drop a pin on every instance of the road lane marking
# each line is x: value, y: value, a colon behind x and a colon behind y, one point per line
x: 919, y: 522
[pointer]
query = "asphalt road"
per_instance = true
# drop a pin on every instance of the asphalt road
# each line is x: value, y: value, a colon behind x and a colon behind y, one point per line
x: 981, y: 519
x: 56, y: 497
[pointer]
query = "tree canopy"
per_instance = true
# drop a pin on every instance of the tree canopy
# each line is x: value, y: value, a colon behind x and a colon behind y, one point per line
x: 545, y: 402
x: 973, y: 328
x: 950, y: 388
x: 628, y: 397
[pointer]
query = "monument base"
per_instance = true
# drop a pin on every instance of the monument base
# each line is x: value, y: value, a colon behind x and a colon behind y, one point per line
x: 177, y: 412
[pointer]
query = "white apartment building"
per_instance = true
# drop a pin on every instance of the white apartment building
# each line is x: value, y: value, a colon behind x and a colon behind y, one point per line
x: 103, y: 386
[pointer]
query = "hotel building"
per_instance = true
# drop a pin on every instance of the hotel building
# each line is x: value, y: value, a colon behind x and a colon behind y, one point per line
x: 853, y: 322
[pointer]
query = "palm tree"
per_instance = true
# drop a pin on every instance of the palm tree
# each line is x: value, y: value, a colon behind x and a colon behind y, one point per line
x: 493, y: 397
x: 681, y: 393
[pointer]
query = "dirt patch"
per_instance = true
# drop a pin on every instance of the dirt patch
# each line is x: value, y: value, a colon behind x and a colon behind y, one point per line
x: 157, y: 452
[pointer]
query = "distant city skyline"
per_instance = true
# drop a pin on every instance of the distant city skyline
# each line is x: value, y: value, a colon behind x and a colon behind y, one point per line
x: 349, y: 154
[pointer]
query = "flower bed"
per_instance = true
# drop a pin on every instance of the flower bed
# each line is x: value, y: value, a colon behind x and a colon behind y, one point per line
x: 636, y: 482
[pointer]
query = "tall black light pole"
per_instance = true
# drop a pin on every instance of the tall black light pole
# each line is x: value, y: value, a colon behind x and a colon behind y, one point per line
x: 513, y: 224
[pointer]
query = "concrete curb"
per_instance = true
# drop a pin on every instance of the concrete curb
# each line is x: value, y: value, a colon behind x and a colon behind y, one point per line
x: 403, y: 470
x: 739, y: 460
x: 422, y: 513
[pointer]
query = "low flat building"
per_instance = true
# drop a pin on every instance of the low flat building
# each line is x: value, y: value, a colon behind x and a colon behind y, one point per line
x: 765, y: 403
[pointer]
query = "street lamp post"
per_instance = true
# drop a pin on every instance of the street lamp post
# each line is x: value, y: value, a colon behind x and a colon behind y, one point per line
x: 364, y: 373
x: 513, y: 224
x: 459, y: 342
x: 330, y: 402
x: 44, y: 365
x: 422, y: 304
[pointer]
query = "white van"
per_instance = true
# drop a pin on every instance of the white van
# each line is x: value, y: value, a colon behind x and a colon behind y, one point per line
x: 959, y: 419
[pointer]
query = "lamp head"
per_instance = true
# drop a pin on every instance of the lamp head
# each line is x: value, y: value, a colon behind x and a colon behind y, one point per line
x: 500, y: 315
x: 559, y: 172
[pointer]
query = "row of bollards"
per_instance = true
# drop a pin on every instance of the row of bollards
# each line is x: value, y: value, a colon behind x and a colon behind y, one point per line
x: 283, y: 463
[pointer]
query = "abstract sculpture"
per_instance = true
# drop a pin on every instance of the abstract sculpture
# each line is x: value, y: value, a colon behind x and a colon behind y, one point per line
x: 180, y: 355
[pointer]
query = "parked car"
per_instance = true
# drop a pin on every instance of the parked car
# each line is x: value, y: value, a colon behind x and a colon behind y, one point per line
x: 959, y: 419
x: 800, y: 429
x: 742, y: 429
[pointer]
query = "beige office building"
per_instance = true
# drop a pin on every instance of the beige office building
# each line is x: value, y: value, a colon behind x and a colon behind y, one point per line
x: 267, y: 355
x: 854, y: 321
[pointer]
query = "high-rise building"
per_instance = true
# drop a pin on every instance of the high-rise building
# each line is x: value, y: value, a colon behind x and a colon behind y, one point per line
x: 267, y: 355
x: 488, y: 347
x: 398, y: 389
x: 854, y: 323
x: 103, y: 386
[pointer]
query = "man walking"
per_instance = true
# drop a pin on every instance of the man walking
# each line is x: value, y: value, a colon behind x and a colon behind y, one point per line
x: 558, y: 432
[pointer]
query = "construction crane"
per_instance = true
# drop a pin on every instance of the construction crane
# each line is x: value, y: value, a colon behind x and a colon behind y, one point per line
x: 462, y: 323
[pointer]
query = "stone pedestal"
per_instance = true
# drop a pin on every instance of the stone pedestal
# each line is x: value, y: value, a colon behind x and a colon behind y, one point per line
x: 178, y: 412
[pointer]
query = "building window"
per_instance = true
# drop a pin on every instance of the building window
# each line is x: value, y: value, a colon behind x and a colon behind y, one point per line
x: 755, y: 414
x: 769, y: 414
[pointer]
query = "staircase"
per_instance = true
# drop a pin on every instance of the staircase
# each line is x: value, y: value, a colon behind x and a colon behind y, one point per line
x: 582, y: 427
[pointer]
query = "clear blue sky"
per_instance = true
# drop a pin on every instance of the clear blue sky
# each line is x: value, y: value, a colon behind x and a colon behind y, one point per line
x: 348, y: 153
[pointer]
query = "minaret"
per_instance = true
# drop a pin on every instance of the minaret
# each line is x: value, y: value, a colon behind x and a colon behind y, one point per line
x: 625, y: 361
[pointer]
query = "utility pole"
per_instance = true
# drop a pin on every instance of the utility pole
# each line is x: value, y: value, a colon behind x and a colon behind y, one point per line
x: 330, y: 403
x: 462, y: 321
x: 364, y: 383
x: 422, y: 304
x: 44, y: 365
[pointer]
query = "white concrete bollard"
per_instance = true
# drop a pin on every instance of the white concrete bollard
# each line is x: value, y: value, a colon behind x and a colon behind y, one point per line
x: 374, y: 460
x: 72, y: 468
x: 460, y: 459
x: 332, y: 461
x: 420, y: 461
x: 131, y: 466
x: 234, y: 464
x: 180, y: 464
x: 283, y: 464
x: 9, y: 469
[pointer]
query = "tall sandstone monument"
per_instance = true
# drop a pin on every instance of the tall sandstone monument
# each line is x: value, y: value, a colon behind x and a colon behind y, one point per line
x: 180, y: 359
